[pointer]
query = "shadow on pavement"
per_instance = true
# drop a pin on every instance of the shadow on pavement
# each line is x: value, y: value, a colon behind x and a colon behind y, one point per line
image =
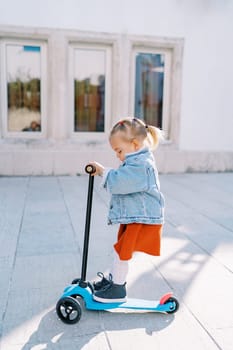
x: 54, y: 334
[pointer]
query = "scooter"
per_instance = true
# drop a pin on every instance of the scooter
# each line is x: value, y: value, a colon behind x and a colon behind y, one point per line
x: 69, y: 308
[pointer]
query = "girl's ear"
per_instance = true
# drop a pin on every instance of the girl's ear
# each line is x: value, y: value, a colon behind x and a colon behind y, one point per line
x: 137, y: 144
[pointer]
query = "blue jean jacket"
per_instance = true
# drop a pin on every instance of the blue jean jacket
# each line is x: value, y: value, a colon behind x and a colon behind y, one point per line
x: 135, y: 190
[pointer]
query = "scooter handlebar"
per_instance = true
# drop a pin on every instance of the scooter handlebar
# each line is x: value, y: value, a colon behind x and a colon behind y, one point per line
x: 90, y: 169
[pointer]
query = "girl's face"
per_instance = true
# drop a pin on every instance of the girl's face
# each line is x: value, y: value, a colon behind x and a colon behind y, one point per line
x: 122, y: 147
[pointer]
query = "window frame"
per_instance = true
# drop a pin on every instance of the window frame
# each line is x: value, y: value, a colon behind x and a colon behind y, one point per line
x: 176, y: 47
x: 85, y: 136
x: 5, y: 133
x: 166, y: 86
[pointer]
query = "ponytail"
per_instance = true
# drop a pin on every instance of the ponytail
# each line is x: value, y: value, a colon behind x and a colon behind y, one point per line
x: 154, y: 136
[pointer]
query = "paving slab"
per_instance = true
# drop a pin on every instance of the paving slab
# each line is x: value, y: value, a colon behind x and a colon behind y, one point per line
x: 41, y: 234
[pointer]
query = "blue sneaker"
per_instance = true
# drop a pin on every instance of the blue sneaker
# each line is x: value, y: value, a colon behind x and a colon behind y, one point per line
x: 111, y: 293
x: 104, y: 281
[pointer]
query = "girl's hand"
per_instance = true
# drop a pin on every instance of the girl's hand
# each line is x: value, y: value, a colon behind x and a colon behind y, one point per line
x: 99, y: 168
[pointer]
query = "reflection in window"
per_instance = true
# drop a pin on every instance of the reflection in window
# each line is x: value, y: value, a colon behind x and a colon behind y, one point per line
x: 149, y: 88
x: 23, y: 87
x: 89, y: 90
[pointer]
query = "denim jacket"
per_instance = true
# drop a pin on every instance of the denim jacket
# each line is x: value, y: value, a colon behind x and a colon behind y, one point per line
x: 135, y: 190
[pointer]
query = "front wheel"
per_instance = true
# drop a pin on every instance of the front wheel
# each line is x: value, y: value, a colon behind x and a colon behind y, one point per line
x: 175, y: 305
x: 69, y: 310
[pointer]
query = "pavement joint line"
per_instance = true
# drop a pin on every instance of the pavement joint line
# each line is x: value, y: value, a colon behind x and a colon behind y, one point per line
x: 207, y: 217
x: 203, y: 327
x: 190, y: 188
x: 101, y: 197
x: 200, y: 213
x: 189, y: 310
x: 69, y: 216
x: 104, y: 330
x: 14, y: 258
x: 201, y: 248
x: 164, y: 278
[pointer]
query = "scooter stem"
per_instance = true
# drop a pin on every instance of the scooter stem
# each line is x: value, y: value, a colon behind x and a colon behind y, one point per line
x: 90, y: 169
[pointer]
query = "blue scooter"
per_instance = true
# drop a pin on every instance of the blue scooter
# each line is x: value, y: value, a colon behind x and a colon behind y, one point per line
x: 69, y: 308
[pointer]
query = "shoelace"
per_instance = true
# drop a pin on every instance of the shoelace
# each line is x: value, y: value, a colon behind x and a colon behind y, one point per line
x: 101, y: 275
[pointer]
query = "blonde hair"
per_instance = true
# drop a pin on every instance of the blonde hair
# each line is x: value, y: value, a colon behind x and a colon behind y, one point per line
x: 134, y: 128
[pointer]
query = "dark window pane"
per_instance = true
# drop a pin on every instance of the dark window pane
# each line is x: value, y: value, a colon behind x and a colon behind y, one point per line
x: 149, y: 88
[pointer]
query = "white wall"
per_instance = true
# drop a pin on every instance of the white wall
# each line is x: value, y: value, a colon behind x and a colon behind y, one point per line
x: 207, y: 29
x: 206, y: 26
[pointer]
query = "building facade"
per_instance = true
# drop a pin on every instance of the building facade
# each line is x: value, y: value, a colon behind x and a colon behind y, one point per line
x: 62, y: 89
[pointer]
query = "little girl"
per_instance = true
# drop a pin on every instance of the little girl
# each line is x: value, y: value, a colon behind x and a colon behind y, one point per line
x: 136, y: 202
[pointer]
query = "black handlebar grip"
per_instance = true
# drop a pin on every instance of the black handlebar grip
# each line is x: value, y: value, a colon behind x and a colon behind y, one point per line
x: 90, y: 169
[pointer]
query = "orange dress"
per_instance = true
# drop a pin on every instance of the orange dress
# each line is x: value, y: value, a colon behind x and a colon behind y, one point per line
x: 138, y: 237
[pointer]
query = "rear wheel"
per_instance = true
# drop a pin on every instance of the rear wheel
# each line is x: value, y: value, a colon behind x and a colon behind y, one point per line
x: 174, y: 307
x: 69, y: 310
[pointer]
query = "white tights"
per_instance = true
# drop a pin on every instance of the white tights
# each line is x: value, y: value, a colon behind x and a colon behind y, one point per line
x: 120, y: 269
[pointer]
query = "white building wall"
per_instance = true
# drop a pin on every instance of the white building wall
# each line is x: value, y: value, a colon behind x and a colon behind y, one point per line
x: 206, y: 119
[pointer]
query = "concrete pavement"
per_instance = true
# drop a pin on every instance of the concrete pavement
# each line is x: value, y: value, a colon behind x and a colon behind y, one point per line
x: 41, y: 235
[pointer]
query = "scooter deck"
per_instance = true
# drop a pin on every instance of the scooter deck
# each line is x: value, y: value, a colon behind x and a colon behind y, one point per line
x: 133, y: 304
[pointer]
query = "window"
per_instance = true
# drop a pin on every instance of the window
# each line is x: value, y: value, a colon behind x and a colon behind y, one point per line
x: 91, y: 92
x: 151, y: 87
x: 23, y: 82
